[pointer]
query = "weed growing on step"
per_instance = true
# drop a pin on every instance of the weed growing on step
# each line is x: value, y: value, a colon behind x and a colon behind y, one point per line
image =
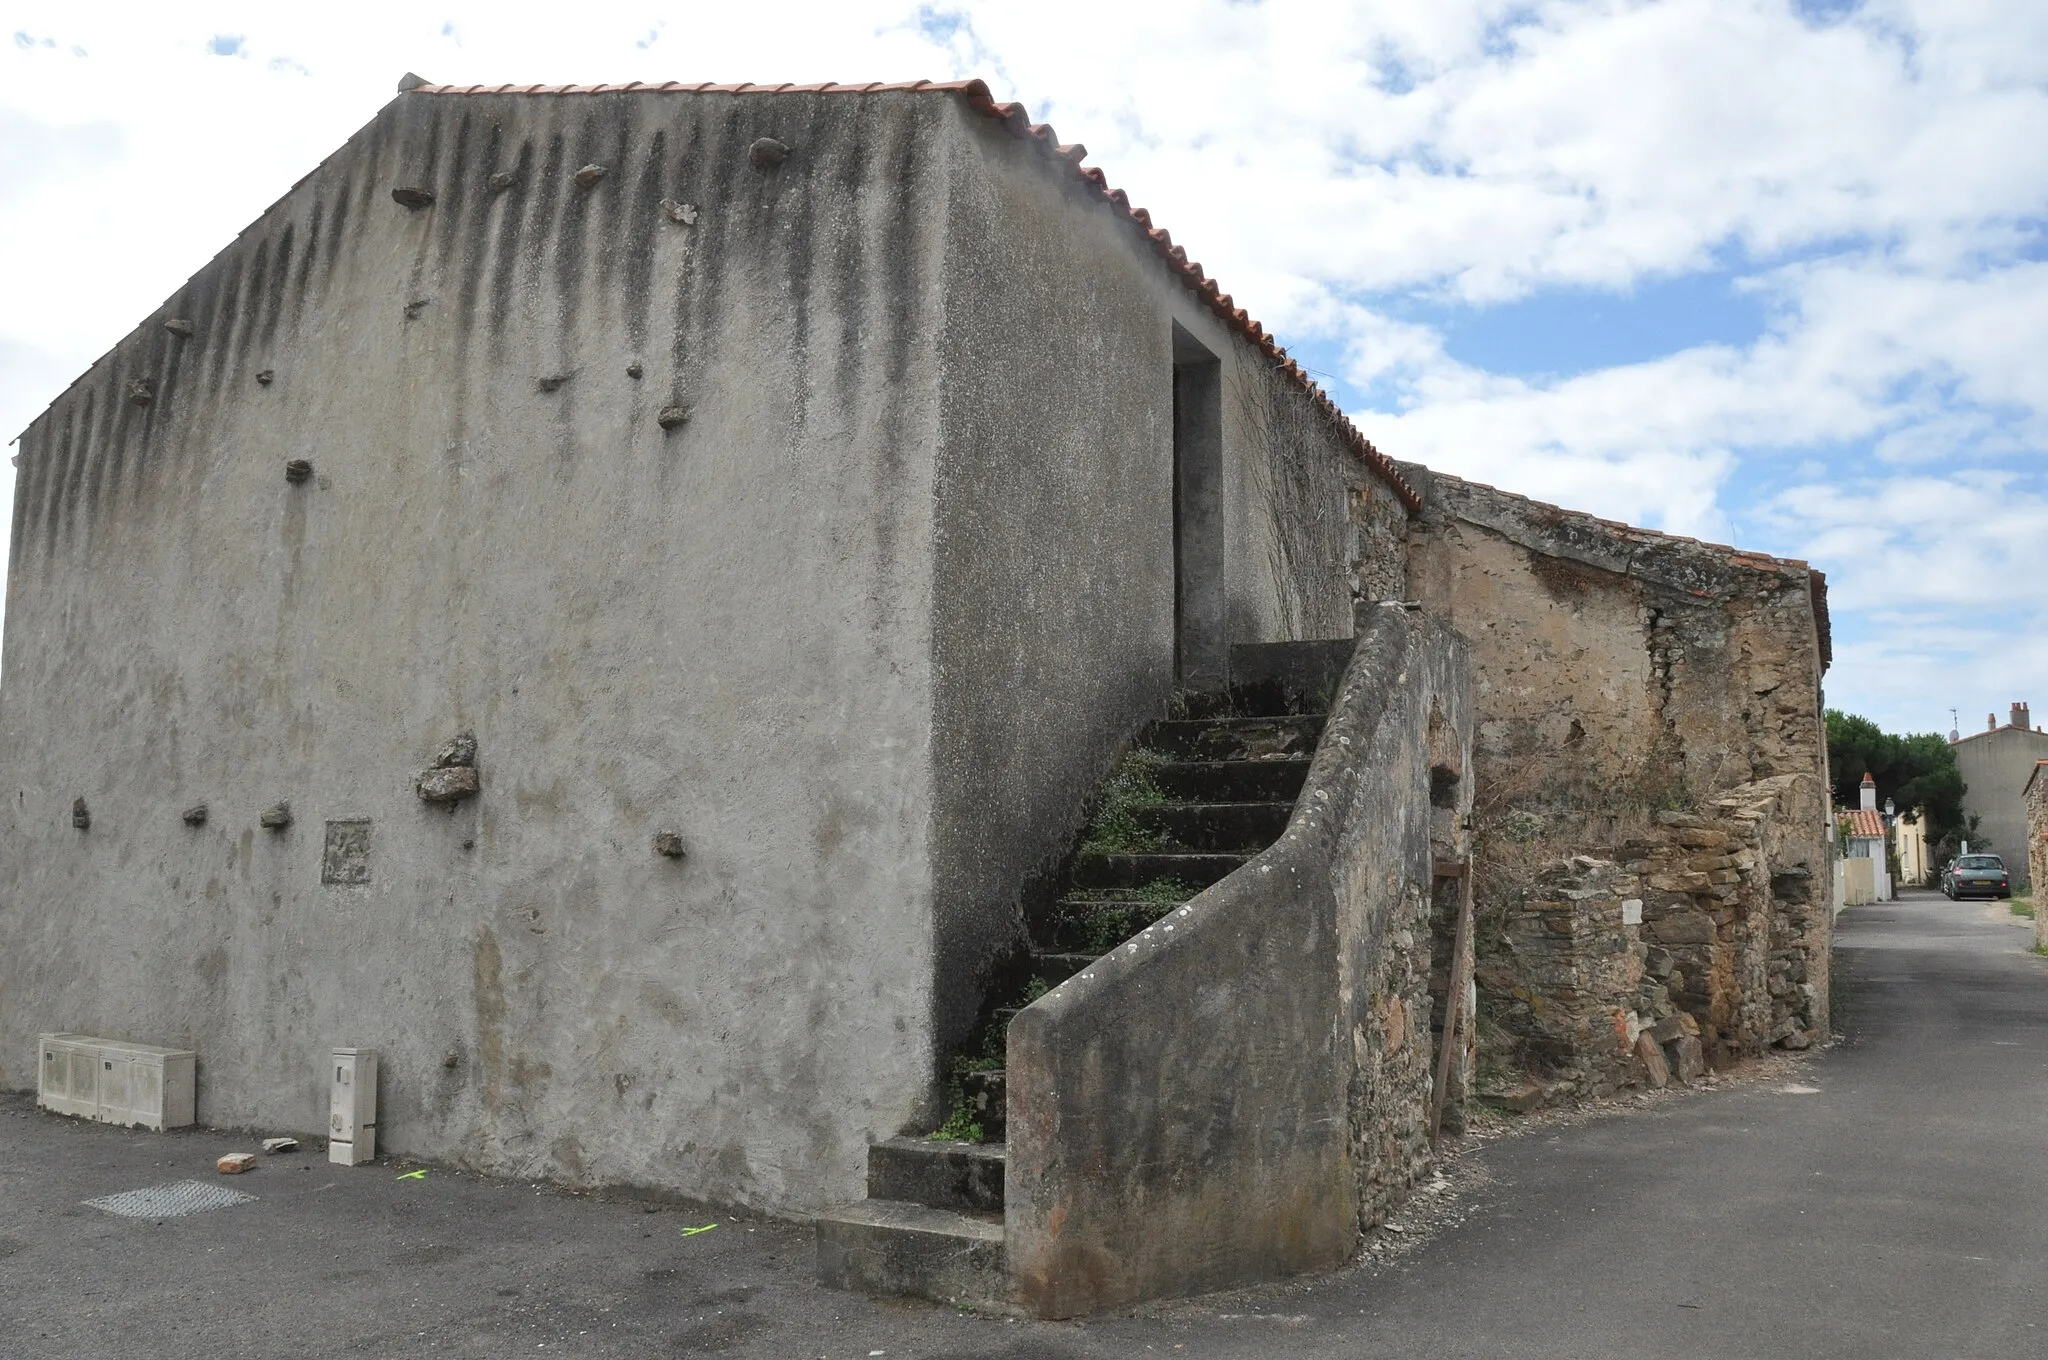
x: 960, y: 1126
x: 1132, y: 785
x: 1036, y: 988
x: 1110, y: 926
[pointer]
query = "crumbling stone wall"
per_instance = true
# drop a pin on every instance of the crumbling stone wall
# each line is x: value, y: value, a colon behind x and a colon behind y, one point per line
x: 1626, y: 685
x: 1706, y: 927
x: 1379, y: 530
x: 1617, y: 665
x: 1393, y: 1064
x: 2037, y: 850
x: 1580, y: 983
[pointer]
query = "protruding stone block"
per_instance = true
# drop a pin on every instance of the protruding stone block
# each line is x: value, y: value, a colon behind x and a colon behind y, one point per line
x: 1688, y: 1059
x: 459, y: 749
x: 1654, y: 1066
x: 447, y: 784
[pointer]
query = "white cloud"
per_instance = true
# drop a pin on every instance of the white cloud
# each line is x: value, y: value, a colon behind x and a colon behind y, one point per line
x: 1880, y: 177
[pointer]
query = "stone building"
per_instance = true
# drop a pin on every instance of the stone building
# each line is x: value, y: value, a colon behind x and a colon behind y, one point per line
x: 1995, y: 765
x: 620, y: 599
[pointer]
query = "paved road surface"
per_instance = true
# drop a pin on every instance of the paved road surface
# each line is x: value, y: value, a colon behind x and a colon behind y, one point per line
x: 1886, y: 1198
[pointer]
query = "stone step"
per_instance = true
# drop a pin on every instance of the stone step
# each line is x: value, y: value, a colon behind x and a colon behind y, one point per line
x: 1259, y: 700
x: 1120, y: 869
x: 1057, y: 966
x: 964, y: 1177
x: 1077, y: 924
x: 1232, y: 781
x: 1235, y: 738
x: 1234, y: 828
x: 893, y: 1247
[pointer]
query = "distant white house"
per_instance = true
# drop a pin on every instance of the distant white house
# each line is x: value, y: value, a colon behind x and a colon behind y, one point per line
x: 1865, y: 877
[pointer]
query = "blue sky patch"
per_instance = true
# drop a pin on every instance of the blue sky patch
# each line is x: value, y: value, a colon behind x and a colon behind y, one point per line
x: 225, y: 44
x: 1565, y: 331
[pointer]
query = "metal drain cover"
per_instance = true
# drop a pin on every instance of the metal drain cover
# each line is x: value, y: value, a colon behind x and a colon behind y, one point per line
x: 170, y: 1201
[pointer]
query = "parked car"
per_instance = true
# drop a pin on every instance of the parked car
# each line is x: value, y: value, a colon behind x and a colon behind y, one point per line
x: 1976, y: 876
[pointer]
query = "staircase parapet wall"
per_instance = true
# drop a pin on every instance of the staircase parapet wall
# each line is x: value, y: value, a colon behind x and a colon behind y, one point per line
x: 1231, y: 1095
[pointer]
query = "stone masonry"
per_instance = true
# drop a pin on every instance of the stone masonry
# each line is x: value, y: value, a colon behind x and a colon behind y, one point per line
x: 1652, y: 702
x: 1706, y: 929
x: 2037, y: 848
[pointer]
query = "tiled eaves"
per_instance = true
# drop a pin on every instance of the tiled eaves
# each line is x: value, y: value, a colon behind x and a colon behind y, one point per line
x: 1069, y: 154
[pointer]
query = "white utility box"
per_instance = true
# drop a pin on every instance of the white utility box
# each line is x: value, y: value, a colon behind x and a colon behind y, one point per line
x: 352, y: 1125
x: 115, y: 1082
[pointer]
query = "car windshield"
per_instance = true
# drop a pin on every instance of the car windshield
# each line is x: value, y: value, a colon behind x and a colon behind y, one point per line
x: 1980, y: 862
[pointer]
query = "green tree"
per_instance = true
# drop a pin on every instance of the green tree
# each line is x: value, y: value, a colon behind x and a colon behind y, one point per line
x: 1916, y: 771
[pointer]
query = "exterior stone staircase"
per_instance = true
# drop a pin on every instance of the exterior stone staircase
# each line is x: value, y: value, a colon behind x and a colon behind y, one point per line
x: 1197, y: 796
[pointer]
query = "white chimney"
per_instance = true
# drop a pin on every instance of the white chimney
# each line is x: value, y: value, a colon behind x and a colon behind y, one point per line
x: 1869, y: 793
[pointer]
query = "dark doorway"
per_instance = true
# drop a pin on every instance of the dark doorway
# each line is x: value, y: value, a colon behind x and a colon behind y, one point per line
x: 1200, y: 629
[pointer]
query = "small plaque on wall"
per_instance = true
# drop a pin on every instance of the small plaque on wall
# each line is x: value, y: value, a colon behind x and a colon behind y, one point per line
x: 347, y: 857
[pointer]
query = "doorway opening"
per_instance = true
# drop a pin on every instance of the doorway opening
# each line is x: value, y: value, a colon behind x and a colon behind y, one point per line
x: 1202, y: 644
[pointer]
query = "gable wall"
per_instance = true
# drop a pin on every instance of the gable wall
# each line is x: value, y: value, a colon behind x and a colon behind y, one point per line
x: 721, y: 631
x: 1995, y: 766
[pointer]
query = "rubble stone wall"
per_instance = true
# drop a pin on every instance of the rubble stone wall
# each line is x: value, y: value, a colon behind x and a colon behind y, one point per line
x: 1707, y: 928
x: 2037, y: 851
x: 1654, y: 703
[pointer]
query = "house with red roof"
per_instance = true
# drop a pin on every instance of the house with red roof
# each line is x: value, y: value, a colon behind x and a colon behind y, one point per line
x: 1865, y: 841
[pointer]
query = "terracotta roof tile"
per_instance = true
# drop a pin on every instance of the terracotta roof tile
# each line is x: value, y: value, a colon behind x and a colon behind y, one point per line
x: 1866, y: 822
x: 1017, y: 120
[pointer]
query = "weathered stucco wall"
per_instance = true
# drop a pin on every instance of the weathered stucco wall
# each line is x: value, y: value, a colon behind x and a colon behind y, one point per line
x: 1230, y: 1095
x: 721, y: 630
x: 1054, y: 624
x: 815, y: 506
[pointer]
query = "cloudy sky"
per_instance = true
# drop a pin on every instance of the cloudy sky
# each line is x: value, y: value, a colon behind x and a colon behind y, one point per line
x: 1770, y: 272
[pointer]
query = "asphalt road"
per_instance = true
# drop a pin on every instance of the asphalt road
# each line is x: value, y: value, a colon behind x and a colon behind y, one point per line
x: 1888, y: 1197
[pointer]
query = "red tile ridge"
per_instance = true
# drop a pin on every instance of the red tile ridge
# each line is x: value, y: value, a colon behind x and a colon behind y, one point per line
x: 1017, y: 119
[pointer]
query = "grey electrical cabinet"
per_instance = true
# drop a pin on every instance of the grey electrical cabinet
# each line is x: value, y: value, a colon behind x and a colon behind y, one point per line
x: 135, y: 1085
x: 352, y: 1106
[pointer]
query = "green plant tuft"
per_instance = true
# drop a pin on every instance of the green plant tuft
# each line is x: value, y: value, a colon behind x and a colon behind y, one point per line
x: 960, y: 1127
x: 1131, y: 785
